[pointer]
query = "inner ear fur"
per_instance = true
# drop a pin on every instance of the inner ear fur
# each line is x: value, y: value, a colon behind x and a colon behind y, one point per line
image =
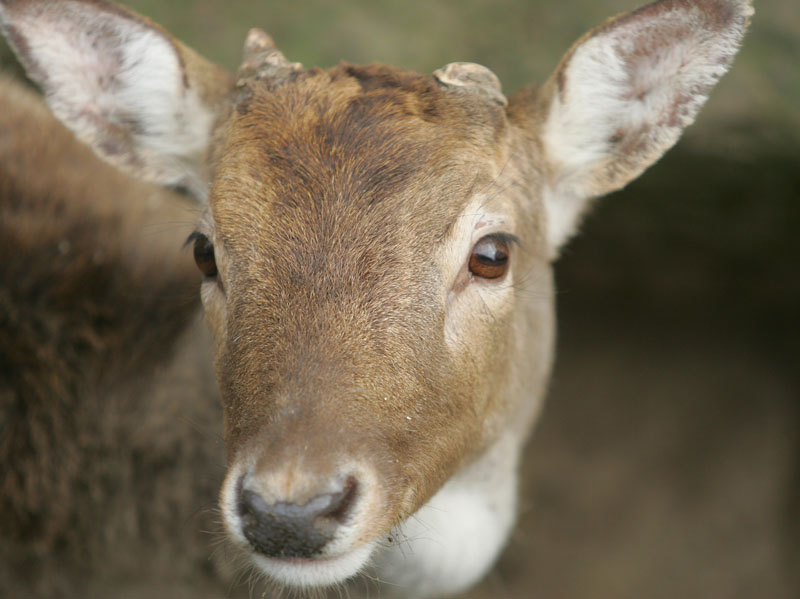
x: 140, y: 98
x: 622, y: 95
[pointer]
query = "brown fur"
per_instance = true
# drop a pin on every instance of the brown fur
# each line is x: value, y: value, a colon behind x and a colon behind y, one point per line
x: 104, y: 420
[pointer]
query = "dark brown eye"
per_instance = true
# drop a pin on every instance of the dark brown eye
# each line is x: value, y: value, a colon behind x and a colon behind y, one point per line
x: 204, y: 254
x: 490, y: 257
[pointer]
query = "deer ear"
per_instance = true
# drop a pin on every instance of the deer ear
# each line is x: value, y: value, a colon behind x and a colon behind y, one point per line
x: 623, y: 94
x: 141, y: 99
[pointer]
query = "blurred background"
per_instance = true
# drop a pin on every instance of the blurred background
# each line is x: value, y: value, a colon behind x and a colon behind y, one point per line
x: 666, y: 463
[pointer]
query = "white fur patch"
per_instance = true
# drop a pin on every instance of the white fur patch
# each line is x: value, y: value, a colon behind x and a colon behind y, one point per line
x: 628, y: 92
x: 452, y: 541
x: 307, y: 574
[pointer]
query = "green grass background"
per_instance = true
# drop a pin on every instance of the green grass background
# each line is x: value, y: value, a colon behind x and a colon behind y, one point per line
x: 521, y: 40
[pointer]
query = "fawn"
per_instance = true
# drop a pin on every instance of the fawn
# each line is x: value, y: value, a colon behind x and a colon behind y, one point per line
x: 376, y: 248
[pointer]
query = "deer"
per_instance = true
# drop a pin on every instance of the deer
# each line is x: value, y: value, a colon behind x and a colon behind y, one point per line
x: 376, y: 249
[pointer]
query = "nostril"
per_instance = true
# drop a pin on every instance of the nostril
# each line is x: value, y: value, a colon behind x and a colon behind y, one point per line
x: 341, y: 502
x: 290, y: 530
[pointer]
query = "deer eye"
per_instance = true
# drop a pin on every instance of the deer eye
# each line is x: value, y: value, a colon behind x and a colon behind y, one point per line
x: 204, y: 254
x: 490, y: 257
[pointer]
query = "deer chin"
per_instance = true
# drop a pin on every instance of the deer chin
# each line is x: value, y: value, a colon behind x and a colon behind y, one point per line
x: 309, y: 573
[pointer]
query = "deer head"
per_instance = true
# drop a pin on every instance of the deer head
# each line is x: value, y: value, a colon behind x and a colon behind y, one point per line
x: 377, y: 248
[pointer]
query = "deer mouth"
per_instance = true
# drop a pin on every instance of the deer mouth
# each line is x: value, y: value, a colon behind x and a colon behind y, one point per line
x: 314, y: 572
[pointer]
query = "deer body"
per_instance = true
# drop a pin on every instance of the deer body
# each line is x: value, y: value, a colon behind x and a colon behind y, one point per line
x: 109, y: 405
x: 376, y: 248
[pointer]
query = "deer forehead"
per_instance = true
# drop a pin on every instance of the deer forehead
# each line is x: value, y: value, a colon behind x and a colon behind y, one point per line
x: 373, y: 163
x: 345, y: 201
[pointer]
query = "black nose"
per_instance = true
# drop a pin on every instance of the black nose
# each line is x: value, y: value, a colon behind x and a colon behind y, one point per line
x: 289, y: 530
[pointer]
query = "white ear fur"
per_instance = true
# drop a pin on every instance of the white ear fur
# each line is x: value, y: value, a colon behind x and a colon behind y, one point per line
x: 119, y: 82
x: 623, y: 95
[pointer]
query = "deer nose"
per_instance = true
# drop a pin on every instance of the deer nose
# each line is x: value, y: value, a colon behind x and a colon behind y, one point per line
x: 290, y: 530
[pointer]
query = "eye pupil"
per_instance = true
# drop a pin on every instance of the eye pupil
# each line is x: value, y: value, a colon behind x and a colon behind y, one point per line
x: 204, y: 255
x: 489, y: 259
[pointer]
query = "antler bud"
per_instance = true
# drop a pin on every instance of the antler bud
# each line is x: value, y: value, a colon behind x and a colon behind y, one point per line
x: 263, y: 60
x: 472, y: 78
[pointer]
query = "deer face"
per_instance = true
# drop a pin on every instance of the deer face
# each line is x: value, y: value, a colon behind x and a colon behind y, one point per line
x: 371, y: 229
